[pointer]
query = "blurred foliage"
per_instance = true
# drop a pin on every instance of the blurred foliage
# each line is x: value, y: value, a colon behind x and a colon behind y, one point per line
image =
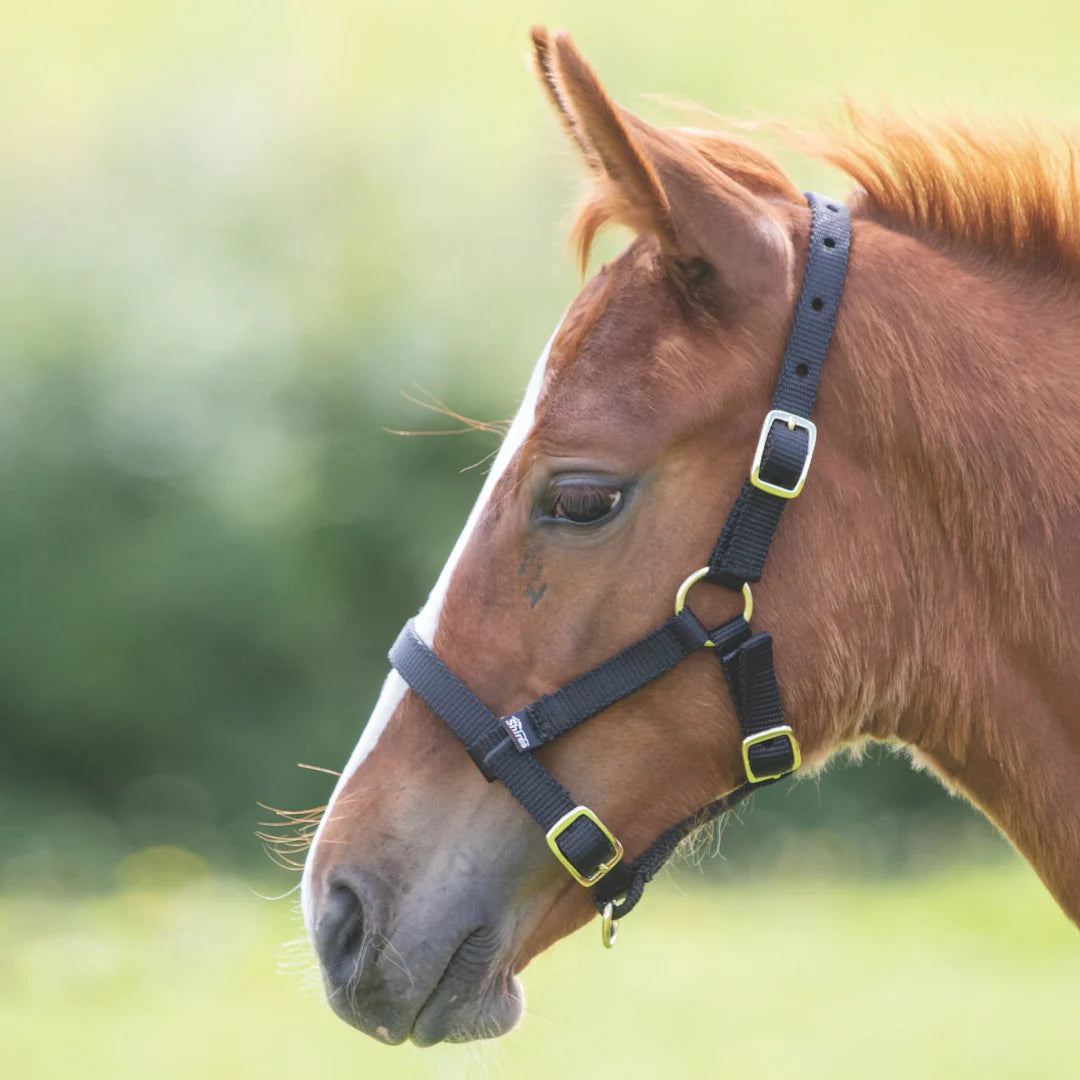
x: 231, y: 234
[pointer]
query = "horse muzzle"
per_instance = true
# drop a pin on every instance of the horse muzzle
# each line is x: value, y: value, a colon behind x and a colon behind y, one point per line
x: 435, y: 970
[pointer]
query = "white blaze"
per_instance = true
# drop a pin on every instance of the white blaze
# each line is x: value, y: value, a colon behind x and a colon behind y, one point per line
x: 427, y: 621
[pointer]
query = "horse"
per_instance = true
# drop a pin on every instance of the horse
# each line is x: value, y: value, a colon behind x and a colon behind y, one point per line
x: 923, y: 590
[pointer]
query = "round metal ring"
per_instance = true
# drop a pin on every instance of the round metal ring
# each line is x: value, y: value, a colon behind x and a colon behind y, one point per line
x: 609, y: 926
x: 694, y: 578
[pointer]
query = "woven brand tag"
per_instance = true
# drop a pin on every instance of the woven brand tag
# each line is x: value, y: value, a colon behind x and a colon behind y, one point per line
x: 516, y: 726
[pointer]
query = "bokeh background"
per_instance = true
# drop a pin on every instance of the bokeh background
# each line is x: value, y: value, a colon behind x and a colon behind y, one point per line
x: 241, y: 242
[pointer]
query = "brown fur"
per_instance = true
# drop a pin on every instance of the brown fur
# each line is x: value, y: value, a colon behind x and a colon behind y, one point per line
x: 1009, y: 196
x: 993, y: 201
x: 925, y: 587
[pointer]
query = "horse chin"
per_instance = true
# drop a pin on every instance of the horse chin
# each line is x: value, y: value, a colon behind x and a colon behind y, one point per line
x: 473, y: 996
x: 476, y: 997
x: 458, y: 1013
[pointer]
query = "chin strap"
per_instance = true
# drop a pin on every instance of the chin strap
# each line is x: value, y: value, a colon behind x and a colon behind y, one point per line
x: 501, y: 747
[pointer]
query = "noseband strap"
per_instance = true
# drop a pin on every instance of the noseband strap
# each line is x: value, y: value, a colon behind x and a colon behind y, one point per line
x: 502, y: 747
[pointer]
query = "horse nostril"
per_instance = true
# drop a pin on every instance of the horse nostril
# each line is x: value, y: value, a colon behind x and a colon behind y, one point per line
x: 339, y: 932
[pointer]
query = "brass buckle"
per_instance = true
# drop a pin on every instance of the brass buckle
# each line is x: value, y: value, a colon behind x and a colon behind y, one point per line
x: 563, y: 824
x: 783, y: 731
x: 793, y: 421
x: 696, y: 576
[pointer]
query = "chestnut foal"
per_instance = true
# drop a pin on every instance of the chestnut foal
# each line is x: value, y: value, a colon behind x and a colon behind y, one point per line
x: 924, y: 589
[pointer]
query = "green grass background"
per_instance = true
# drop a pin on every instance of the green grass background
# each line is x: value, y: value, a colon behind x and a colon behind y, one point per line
x: 968, y: 974
x: 231, y: 232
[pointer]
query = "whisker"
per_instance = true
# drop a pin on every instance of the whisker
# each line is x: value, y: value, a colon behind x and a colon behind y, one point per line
x: 396, y: 959
x: 483, y: 461
x: 287, y: 849
x: 282, y: 896
x: 433, y: 404
x: 440, y: 431
x: 318, y: 768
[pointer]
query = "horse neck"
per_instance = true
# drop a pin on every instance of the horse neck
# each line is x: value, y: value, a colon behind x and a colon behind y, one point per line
x: 959, y: 387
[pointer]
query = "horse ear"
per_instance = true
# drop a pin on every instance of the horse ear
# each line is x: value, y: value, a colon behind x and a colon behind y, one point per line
x: 593, y: 122
x: 545, y: 72
x: 659, y: 183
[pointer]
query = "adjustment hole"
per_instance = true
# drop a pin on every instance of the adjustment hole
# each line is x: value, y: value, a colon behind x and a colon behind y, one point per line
x: 802, y: 370
x: 833, y: 207
x: 817, y: 303
x: 829, y: 241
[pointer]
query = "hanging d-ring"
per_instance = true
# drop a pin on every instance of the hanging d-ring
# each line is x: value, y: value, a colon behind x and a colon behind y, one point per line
x: 609, y: 926
x: 696, y: 576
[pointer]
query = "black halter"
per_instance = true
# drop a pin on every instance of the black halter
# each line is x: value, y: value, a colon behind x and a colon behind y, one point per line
x: 500, y: 746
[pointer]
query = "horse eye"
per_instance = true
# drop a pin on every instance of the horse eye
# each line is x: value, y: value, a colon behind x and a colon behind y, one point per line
x: 581, y: 502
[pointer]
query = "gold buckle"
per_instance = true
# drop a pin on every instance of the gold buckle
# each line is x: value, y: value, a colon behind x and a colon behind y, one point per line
x: 793, y: 421
x: 783, y: 731
x: 563, y: 824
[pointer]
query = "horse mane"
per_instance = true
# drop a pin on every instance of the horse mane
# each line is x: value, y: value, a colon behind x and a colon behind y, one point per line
x: 1013, y: 195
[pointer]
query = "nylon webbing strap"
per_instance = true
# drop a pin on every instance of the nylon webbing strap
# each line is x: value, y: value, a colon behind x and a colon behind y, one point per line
x: 608, y: 682
x: 755, y: 693
x: 739, y: 555
x: 493, y: 750
x: 748, y: 668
